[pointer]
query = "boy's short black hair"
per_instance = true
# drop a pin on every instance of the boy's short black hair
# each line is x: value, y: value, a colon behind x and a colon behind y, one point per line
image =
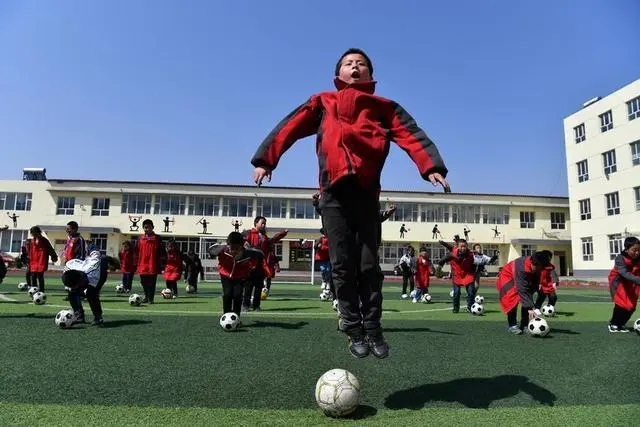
x: 630, y: 241
x: 475, y: 245
x: 35, y: 230
x: 73, y: 225
x: 461, y: 240
x: 542, y: 258
x: 423, y: 249
x: 147, y: 221
x: 235, y: 238
x: 258, y: 218
x: 358, y: 51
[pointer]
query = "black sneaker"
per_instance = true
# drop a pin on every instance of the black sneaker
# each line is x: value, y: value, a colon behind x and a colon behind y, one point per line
x: 378, y: 345
x: 256, y: 309
x: 358, y: 346
x: 456, y: 310
x: 144, y: 300
x: 99, y: 321
x: 245, y: 309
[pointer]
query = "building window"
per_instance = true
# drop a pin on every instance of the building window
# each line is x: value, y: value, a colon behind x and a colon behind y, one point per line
x: 302, y: 209
x: 277, y: 250
x: 465, y: 214
x: 100, y: 207
x: 272, y: 208
x: 557, y: 221
x: 434, y: 213
x: 527, y: 219
x: 587, y: 248
x: 100, y: 242
x: 613, y: 203
x: 136, y: 203
x: 66, y: 205
x: 633, y: 108
x: 15, y: 201
x: 203, y: 206
x: 405, y: 212
x: 169, y: 204
x: 579, y: 133
x: 635, y: 153
x: 495, y: 214
x: 583, y: 171
x: 391, y: 252
x: 637, y: 191
x: 237, y: 207
x: 585, y: 209
x: 609, y: 161
x: 528, y: 250
x: 616, y: 244
x: 11, y: 240
x: 606, y: 121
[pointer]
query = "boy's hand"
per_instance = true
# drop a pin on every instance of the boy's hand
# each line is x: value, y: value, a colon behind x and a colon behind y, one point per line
x: 435, y: 179
x: 260, y: 174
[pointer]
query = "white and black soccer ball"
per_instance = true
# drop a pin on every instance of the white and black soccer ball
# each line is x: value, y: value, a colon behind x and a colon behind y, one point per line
x: 324, y: 296
x: 477, y: 309
x: 64, y: 319
x: 190, y: 289
x: 166, y: 293
x: 548, y: 310
x: 39, y: 298
x: 426, y: 298
x: 229, y: 321
x: 335, y: 304
x: 479, y: 299
x: 338, y: 393
x: 120, y: 289
x: 32, y: 291
x: 135, y: 300
x: 636, y: 326
x: 538, y: 327
x: 22, y: 286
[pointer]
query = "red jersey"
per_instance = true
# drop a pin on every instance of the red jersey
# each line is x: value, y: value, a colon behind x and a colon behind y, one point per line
x: 322, y: 249
x: 238, y: 269
x: 40, y: 250
x: 151, y: 254
x: 126, y: 261
x: 462, y: 267
x: 548, y: 277
x: 262, y: 242
x: 75, y: 248
x: 173, y: 266
x: 624, y: 282
x: 423, y: 273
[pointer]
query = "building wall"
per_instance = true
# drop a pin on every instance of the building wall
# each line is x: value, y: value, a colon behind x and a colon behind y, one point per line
x: 412, y: 211
x: 601, y: 226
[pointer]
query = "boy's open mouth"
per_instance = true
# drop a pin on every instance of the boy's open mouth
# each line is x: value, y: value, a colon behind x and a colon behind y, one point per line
x: 355, y: 74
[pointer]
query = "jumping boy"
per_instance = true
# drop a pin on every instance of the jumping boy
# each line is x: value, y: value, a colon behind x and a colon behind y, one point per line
x: 354, y: 128
x: 424, y: 269
x: 40, y: 250
x: 624, y: 284
x: 235, y: 264
x: 151, y: 256
x: 516, y: 284
x: 127, y: 265
x: 85, y: 277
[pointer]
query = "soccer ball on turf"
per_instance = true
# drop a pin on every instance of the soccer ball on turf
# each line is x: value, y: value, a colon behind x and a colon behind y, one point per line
x: 636, y: 326
x: 426, y: 298
x: 477, y: 309
x: 335, y: 304
x: 229, y: 321
x: 538, y: 327
x: 39, y: 298
x: 264, y: 294
x: 548, y: 310
x: 120, y: 289
x: 135, y: 300
x: 479, y: 299
x: 338, y: 393
x: 451, y: 294
x: 324, y: 296
x: 166, y: 293
x: 190, y: 289
x: 22, y: 286
x: 32, y: 291
x: 64, y: 319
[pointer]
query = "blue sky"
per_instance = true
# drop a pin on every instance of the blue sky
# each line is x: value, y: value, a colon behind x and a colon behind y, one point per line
x: 154, y: 90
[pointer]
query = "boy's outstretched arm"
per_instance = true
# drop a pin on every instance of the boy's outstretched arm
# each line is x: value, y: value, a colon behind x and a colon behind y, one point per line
x: 300, y: 123
x: 415, y: 142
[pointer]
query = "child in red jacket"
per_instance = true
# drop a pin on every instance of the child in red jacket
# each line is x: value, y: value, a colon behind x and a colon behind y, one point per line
x: 624, y: 284
x: 548, y: 286
x: 354, y: 128
x: 151, y: 255
x: 173, y: 267
x: 462, y: 273
x: 127, y: 266
x: 40, y: 250
x: 236, y: 263
x: 424, y: 270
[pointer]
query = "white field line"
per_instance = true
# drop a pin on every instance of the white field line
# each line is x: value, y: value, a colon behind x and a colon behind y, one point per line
x: 6, y: 298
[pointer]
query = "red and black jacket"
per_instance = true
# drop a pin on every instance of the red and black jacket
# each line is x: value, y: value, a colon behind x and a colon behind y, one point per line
x: 624, y: 282
x: 462, y: 267
x: 353, y: 128
x: 174, y: 265
x: 423, y: 273
x: 40, y: 250
x: 322, y: 249
x: 548, y: 277
x: 264, y: 244
x: 517, y: 282
x: 151, y: 254
x: 233, y: 268
x: 127, y: 264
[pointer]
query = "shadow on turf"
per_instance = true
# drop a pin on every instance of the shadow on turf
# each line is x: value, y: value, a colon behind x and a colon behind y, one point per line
x: 283, y: 325
x: 362, y: 412
x: 27, y: 316
x: 564, y: 331
x: 565, y: 313
x: 266, y: 310
x: 418, y: 330
x: 477, y: 393
x: 124, y: 322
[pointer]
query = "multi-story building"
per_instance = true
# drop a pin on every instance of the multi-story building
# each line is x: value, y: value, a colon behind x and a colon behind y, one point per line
x: 107, y: 210
x: 602, y: 143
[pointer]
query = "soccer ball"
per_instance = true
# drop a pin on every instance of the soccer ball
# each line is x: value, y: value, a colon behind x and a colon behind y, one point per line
x: 477, y: 309
x: 426, y: 298
x: 548, y: 310
x: 451, y: 294
x: 264, y: 294
x: 120, y: 289
x: 338, y: 393
x: 324, y: 296
x: 39, y: 298
x: 636, y: 326
x: 190, y: 289
x: 22, y: 286
x: 64, y: 319
x: 479, y: 299
x: 229, y: 321
x: 135, y: 300
x: 32, y: 291
x: 335, y: 304
x: 538, y: 327
x: 166, y: 293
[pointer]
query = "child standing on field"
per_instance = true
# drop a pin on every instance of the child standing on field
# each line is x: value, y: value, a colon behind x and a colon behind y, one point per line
x: 354, y: 128
x: 624, y: 284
